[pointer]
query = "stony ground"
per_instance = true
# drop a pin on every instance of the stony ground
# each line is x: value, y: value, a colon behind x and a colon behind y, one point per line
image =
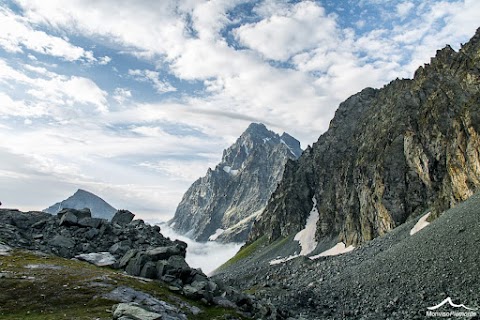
x: 35, y: 286
x: 392, y: 277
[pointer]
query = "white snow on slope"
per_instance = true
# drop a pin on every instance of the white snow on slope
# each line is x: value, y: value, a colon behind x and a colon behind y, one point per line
x: 289, y: 149
x: 306, y: 237
x: 339, y: 248
x: 422, y: 223
x: 229, y: 170
x: 217, y: 233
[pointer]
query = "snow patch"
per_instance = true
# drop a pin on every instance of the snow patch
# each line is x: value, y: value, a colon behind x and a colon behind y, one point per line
x: 229, y: 170
x: 306, y: 237
x: 339, y: 248
x: 289, y: 149
x: 217, y: 233
x: 283, y: 260
x: 265, y: 140
x: 246, y: 149
x: 422, y: 223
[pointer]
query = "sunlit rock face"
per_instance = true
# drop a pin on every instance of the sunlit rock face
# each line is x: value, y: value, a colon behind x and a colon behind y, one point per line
x: 223, y: 204
x: 389, y: 154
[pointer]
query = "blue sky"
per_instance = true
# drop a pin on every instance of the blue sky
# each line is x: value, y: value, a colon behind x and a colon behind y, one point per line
x: 133, y: 100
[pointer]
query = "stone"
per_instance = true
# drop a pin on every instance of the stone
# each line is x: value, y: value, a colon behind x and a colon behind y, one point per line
x: 120, y: 248
x: 126, y: 258
x: 68, y: 219
x: 100, y: 259
x: 92, y: 233
x: 4, y: 250
x: 62, y: 242
x: 122, y: 217
x: 149, y: 270
x: 136, y: 264
x: 163, y: 253
x: 90, y: 222
x: 134, y: 311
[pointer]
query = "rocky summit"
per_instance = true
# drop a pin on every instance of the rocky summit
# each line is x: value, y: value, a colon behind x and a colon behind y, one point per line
x: 223, y: 204
x: 83, y: 199
x: 388, y: 155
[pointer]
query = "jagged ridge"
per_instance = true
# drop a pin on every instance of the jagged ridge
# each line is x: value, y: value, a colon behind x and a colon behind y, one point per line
x: 236, y: 191
x: 388, y: 155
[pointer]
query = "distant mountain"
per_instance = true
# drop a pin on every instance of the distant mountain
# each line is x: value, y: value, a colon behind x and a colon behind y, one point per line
x: 84, y: 199
x: 223, y: 204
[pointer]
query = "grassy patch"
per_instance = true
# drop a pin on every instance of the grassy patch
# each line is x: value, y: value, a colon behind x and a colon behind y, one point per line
x: 245, y: 252
x: 56, y: 288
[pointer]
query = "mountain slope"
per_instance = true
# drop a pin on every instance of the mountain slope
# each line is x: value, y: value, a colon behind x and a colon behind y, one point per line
x: 388, y: 155
x: 395, y: 276
x: 84, y: 199
x: 223, y: 204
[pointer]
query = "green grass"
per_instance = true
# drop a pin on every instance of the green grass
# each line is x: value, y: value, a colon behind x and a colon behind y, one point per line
x: 66, y: 291
x: 245, y: 252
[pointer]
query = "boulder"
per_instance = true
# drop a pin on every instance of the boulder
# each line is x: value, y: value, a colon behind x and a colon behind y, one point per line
x: 120, y: 248
x: 122, y: 217
x: 100, y: 259
x: 80, y: 214
x: 163, y: 253
x: 92, y: 233
x: 136, y: 264
x: 149, y: 270
x: 62, y: 242
x: 68, y: 219
x: 126, y: 258
x: 133, y: 311
x: 90, y: 222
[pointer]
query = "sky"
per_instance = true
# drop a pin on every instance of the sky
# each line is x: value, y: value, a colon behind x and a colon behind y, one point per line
x: 134, y: 100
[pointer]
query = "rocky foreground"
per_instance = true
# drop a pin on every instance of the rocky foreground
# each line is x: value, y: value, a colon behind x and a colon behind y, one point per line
x: 131, y: 247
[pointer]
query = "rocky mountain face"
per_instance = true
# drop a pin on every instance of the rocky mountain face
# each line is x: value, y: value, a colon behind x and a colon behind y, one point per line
x: 83, y: 199
x: 223, y: 204
x: 388, y: 155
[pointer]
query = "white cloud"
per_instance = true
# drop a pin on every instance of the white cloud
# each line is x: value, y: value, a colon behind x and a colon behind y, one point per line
x: 104, y: 60
x: 121, y: 95
x: 305, y: 26
x: 404, y: 8
x: 161, y: 86
x: 54, y: 89
x: 17, y: 34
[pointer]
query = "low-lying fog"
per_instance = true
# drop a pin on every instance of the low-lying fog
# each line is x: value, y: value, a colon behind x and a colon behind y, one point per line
x: 205, y: 255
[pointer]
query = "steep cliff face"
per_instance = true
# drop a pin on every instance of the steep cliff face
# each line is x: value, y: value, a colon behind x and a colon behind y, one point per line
x: 223, y: 204
x: 388, y: 154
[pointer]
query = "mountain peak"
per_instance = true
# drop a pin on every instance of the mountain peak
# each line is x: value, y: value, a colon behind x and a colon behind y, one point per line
x: 84, y: 199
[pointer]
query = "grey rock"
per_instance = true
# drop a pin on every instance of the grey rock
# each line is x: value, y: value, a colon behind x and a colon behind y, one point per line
x: 122, y: 217
x: 4, y: 250
x: 149, y: 270
x: 127, y: 257
x: 134, y: 311
x: 68, y: 219
x: 163, y: 253
x: 136, y: 264
x: 100, y: 259
x: 91, y: 234
x: 232, y: 195
x: 90, y: 222
x: 62, y: 242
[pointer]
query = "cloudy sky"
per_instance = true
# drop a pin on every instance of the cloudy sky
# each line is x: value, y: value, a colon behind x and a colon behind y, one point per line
x: 133, y: 100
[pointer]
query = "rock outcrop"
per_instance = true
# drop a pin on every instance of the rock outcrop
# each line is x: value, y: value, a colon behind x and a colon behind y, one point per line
x: 223, y: 204
x: 125, y: 244
x: 388, y: 155
x: 81, y: 199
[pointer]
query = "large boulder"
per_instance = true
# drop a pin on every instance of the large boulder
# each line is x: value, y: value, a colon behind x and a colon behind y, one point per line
x: 136, y: 264
x: 80, y: 214
x: 164, y: 253
x: 134, y: 311
x: 100, y: 259
x: 68, y: 219
x: 122, y: 217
